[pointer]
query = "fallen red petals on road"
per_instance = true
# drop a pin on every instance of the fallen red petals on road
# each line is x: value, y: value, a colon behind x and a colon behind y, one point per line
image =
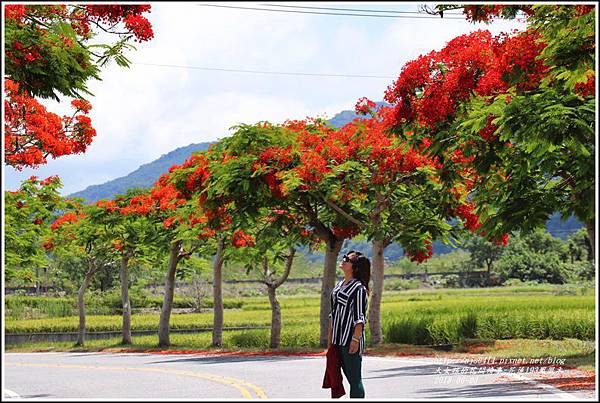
x: 219, y: 353
x: 570, y: 383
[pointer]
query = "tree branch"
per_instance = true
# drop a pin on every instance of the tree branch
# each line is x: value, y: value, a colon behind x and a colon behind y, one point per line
x: 288, y: 267
x: 320, y: 229
x: 341, y: 211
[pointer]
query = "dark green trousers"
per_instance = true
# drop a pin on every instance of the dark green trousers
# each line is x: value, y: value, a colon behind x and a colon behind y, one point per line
x: 351, y: 365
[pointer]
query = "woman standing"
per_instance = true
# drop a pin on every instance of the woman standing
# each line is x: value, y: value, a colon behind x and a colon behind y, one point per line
x: 348, y: 316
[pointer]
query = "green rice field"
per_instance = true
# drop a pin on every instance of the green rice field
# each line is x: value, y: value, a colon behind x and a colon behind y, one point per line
x: 422, y: 317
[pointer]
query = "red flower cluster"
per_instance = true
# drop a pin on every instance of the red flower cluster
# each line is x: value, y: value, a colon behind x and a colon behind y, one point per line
x: 364, y: 106
x: 484, y: 13
x: 82, y: 17
x: 14, y: 12
x: 241, y: 239
x: 140, y: 27
x: 195, y: 220
x: 108, y: 205
x: 49, y: 180
x: 196, y: 179
x: 581, y: 9
x: 167, y: 197
x: 31, y: 133
x: 466, y: 212
x: 66, y: 218
x: 48, y: 244
x: 139, y: 205
x: 169, y: 221
x: 81, y: 105
x: 345, y: 232
x: 312, y: 167
x: 22, y: 55
x: 137, y: 24
x: 488, y: 132
x: 275, y: 184
x: 516, y: 59
x: 588, y: 88
x: 420, y: 256
x: 206, y: 233
x: 429, y: 88
x: 218, y: 219
x: 501, y: 241
x: 276, y: 155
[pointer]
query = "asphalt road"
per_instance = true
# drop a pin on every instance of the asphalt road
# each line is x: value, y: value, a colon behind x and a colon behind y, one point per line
x: 42, y: 376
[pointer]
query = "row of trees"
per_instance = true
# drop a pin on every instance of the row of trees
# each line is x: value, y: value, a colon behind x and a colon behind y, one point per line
x: 455, y: 152
x: 537, y: 256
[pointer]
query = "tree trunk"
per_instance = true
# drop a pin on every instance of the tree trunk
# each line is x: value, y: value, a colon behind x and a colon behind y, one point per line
x: 377, y: 269
x: 591, y: 231
x: 488, y: 274
x: 81, y: 306
x: 167, y: 306
x: 331, y: 254
x: 275, y: 317
x: 37, y: 281
x: 272, y: 289
x: 124, y: 274
x: 217, y: 337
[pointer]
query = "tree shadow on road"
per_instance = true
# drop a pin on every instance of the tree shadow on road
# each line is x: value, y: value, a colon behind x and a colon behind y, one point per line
x: 497, y: 390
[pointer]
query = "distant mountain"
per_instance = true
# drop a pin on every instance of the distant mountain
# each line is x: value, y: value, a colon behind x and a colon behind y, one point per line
x: 147, y: 174
x: 142, y: 177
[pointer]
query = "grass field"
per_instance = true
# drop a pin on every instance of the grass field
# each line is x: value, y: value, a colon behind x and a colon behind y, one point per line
x: 412, y: 317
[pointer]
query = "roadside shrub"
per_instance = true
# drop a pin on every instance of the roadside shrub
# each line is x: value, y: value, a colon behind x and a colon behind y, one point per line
x: 444, y: 330
x: 450, y: 281
x: 409, y: 331
x: 299, y: 336
x: 250, y: 338
x: 25, y: 307
x: 468, y: 325
x: 401, y: 284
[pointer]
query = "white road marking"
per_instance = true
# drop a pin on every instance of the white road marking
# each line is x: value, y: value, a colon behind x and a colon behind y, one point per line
x: 10, y: 394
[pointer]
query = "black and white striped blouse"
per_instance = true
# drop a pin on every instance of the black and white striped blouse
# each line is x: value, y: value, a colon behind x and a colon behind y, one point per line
x: 348, y: 308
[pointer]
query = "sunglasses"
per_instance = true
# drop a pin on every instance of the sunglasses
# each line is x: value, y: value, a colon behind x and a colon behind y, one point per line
x: 345, y: 258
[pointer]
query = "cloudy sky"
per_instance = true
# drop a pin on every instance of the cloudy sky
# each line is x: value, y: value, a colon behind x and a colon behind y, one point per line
x: 145, y: 111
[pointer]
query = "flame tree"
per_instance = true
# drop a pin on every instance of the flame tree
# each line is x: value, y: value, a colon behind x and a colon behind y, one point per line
x: 28, y: 213
x: 220, y: 219
x: 519, y: 107
x: 49, y: 53
x: 134, y: 237
x: 75, y: 234
x: 384, y: 188
x: 261, y: 154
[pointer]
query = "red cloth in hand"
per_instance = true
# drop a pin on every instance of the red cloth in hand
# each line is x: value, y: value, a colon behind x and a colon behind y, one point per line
x: 333, y: 373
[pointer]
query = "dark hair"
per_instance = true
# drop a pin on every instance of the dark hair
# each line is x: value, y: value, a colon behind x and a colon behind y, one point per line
x: 361, y: 268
